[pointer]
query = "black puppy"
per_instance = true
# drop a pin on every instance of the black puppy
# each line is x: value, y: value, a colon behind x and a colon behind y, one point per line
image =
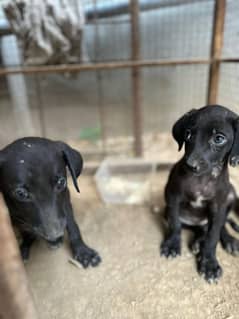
x: 33, y: 181
x: 198, y: 192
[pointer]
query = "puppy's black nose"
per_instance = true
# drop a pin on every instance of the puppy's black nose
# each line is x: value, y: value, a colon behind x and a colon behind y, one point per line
x: 193, y: 165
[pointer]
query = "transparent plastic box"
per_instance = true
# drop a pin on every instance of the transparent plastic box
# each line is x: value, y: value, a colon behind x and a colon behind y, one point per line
x: 124, y: 181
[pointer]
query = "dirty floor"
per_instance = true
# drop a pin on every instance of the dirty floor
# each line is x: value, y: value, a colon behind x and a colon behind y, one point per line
x: 133, y: 281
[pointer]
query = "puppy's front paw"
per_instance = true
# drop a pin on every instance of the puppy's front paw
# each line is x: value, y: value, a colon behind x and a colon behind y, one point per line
x: 171, y: 248
x: 209, y: 269
x: 86, y: 256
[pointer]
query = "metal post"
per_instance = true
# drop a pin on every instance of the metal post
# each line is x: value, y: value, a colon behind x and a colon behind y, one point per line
x: 16, y: 301
x: 136, y: 78
x: 40, y: 104
x: 100, y: 94
x: 216, y: 49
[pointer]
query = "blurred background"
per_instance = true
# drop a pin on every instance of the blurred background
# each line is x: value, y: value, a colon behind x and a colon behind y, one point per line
x: 113, y: 105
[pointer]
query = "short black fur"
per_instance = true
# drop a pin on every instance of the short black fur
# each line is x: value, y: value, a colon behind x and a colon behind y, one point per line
x: 33, y: 180
x: 199, y: 193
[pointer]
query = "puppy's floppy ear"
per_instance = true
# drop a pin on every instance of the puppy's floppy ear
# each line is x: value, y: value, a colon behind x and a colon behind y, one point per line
x: 181, y: 125
x: 73, y: 160
x: 234, y: 154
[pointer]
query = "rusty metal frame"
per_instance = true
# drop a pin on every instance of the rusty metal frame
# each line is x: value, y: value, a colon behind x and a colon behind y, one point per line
x: 16, y: 300
x: 64, y: 68
x: 135, y: 64
x: 136, y: 78
x: 216, y: 50
x: 100, y: 93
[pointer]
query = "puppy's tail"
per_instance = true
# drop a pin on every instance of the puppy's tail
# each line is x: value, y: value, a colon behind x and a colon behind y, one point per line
x: 233, y: 224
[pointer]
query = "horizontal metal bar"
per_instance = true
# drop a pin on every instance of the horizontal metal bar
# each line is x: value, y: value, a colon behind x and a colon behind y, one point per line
x: 97, y: 66
x: 229, y: 60
x: 107, y: 66
x: 109, y: 22
x: 109, y: 10
x: 90, y: 168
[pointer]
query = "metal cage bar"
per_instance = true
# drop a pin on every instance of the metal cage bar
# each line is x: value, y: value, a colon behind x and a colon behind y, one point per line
x: 16, y: 300
x: 216, y: 49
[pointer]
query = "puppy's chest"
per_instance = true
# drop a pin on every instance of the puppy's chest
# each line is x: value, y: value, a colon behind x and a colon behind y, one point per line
x: 198, y: 200
x: 195, y: 203
x: 198, y: 197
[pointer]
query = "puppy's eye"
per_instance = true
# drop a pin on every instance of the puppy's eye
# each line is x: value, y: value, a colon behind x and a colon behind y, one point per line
x: 188, y: 135
x: 61, y: 184
x: 21, y: 194
x: 219, y: 139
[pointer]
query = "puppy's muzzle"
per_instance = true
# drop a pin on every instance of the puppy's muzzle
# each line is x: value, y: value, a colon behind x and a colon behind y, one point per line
x: 56, y: 243
x: 54, y: 236
x: 51, y: 230
x: 193, y: 164
x: 51, y: 235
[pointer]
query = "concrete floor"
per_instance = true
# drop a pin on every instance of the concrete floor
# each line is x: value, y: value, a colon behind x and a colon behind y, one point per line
x: 133, y: 281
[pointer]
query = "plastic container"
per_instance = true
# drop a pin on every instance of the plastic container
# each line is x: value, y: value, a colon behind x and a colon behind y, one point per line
x: 124, y: 181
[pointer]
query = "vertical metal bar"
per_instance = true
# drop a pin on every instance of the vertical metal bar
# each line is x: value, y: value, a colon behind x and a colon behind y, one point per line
x: 17, y: 88
x: 216, y: 50
x: 100, y: 95
x: 136, y: 78
x: 16, y: 300
x: 40, y: 104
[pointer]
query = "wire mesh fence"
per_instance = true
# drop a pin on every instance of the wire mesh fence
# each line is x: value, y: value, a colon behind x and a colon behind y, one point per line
x: 229, y: 75
x: 94, y: 108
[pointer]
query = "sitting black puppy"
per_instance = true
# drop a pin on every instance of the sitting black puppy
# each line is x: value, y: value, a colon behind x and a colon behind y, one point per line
x: 198, y: 192
x: 33, y: 181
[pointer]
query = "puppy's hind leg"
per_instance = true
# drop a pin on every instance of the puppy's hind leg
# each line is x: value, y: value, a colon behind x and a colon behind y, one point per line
x: 27, y: 241
x: 229, y: 243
